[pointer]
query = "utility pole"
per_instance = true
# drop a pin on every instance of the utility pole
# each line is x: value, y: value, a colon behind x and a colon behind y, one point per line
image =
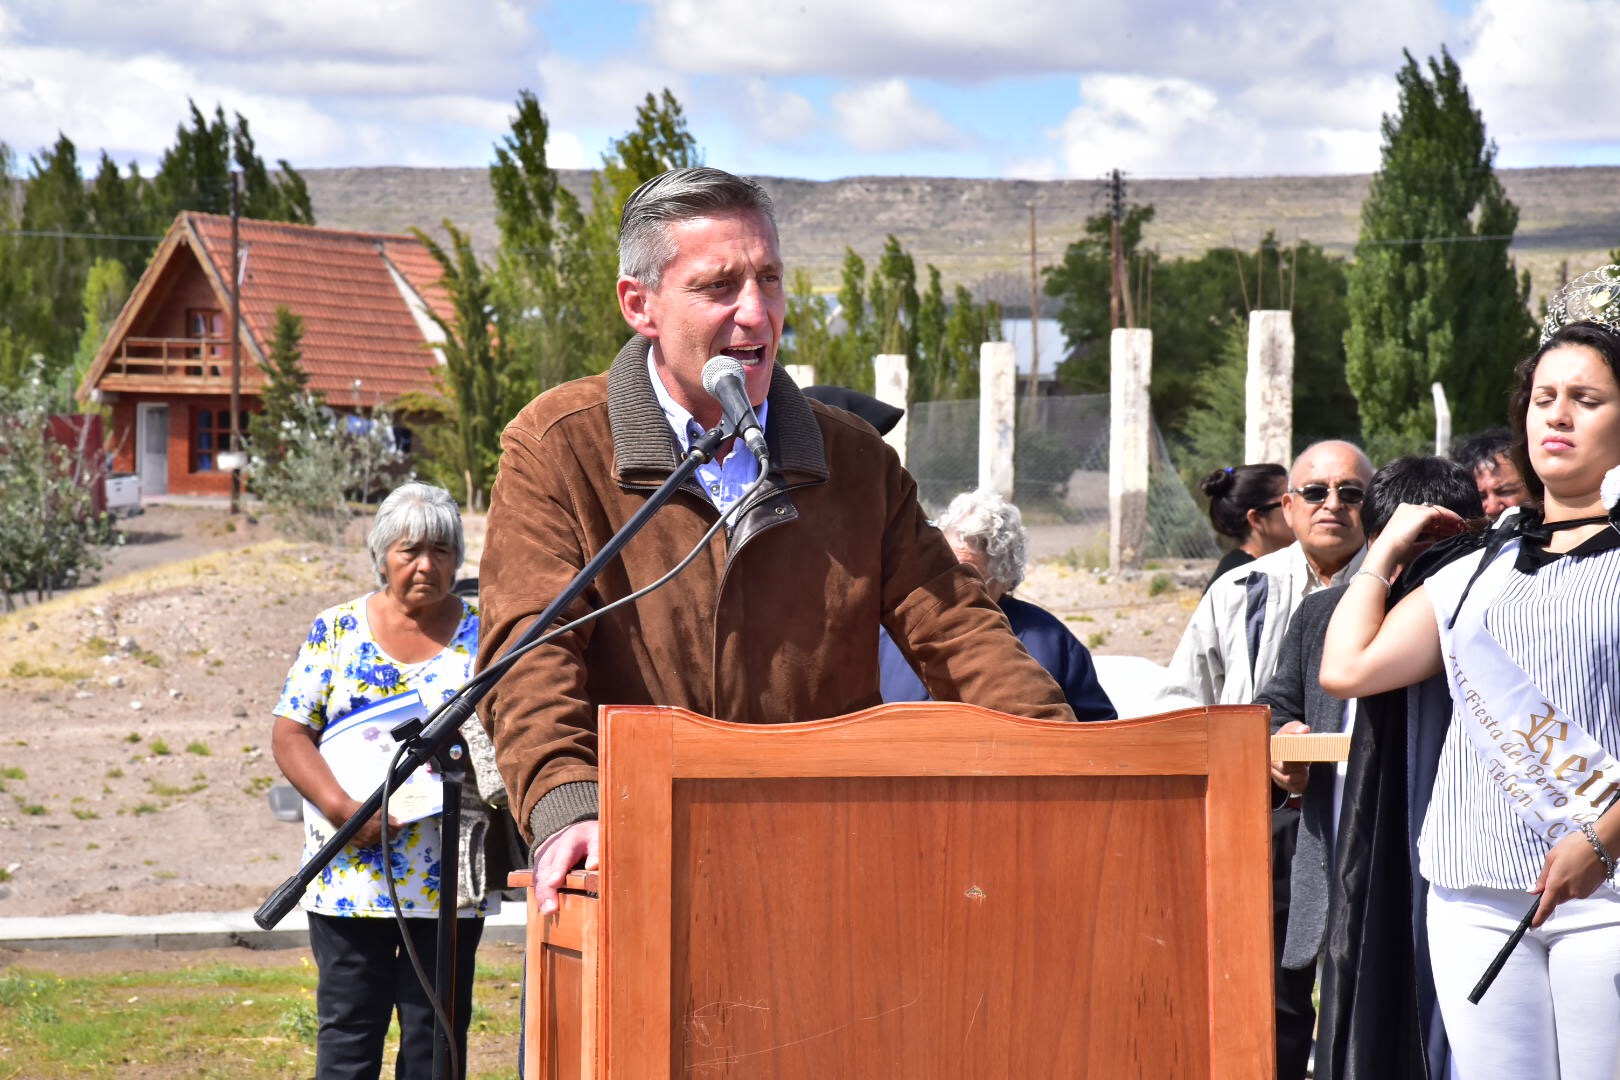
x: 1034, y: 319
x: 1119, y: 291
x: 236, y: 341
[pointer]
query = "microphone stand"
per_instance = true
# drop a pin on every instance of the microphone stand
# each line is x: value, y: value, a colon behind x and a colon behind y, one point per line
x: 434, y: 741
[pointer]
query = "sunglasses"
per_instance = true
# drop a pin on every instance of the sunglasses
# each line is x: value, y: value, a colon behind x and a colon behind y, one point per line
x: 1266, y: 508
x: 1349, y: 494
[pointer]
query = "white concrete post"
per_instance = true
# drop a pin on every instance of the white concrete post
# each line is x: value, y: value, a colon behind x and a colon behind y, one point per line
x: 892, y: 378
x: 1442, y: 421
x: 1268, y: 406
x: 998, y: 393
x: 803, y: 375
x: 1130, y: 445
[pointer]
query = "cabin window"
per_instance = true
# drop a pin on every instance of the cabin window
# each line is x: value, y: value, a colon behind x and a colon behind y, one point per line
x: 207, y: 327
x: 211, y: 434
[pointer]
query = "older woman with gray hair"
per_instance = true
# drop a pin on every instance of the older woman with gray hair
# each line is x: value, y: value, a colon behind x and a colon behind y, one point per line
x: 987, y: 533
x: 410, y: 634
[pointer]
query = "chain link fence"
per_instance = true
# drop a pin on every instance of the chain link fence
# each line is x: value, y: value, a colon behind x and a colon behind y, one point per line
x: 1060, y: 472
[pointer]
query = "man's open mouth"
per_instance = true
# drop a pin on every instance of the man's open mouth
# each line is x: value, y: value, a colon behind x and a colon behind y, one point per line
x: 749, y: 355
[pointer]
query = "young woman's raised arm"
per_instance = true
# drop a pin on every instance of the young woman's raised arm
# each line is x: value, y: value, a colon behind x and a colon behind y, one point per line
x: 1367, y: 651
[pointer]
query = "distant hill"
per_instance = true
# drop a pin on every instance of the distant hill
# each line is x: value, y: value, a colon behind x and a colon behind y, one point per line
x: 977, y: 231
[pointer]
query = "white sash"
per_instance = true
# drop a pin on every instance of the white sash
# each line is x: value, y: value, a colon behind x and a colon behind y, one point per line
x: 1551, y: 770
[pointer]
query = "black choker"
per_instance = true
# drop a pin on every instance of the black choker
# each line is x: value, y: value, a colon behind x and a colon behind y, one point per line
x: 1541, y: 531
x: 1526, y: 528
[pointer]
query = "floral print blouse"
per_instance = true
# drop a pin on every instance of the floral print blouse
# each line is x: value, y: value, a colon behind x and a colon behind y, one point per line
x: 340, y: 668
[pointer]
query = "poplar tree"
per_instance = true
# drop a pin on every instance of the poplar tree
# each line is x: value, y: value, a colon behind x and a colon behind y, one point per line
x: 524, y: 283
x: 286, y: 385
x: 195, y: 174
x: 106, y: 289
x: 22, y: 307
x: 1433, y: 294
x: 56, y: 258
x: 853, y: 349
x: 119, y: 214
x: 587, y: 323
x: 477, y: 377
x: 807, y: 338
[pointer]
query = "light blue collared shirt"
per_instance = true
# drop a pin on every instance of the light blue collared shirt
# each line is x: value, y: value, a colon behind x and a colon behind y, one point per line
x: 723, y: 481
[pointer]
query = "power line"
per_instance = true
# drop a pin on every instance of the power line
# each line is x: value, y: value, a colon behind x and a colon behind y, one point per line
x: 63, y: 234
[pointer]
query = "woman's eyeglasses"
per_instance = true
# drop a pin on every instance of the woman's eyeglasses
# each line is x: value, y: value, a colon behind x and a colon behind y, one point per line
x: 1349, y: 494
x: 1266, y: 508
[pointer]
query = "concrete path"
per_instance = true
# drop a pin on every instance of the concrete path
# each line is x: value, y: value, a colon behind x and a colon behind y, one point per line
x: 192, y: 930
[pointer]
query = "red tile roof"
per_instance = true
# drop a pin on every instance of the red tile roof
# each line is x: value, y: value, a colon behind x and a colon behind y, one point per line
x: 358, y: 323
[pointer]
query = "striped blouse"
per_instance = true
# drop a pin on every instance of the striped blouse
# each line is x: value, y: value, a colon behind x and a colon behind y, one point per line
x: 1561, y: 624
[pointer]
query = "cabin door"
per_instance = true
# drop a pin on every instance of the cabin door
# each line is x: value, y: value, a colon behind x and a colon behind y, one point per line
x: 152, y: 457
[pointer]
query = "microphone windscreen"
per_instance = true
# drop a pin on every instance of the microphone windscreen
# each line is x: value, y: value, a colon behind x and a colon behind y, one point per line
x: 718, y: 368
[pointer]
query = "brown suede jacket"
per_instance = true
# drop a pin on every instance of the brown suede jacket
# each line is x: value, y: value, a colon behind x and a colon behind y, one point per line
x: 776, y: 622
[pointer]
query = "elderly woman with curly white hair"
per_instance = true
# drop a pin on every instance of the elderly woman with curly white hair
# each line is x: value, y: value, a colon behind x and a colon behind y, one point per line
x: 987, y: 533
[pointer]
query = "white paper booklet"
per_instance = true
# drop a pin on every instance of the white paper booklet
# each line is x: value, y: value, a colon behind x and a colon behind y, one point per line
x: 358, y: 746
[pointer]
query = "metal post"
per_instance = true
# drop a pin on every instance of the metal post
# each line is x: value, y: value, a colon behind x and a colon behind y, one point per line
x: 236, y: 338
x: 1034, y: 319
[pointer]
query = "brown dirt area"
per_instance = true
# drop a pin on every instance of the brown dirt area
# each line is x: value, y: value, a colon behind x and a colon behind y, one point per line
x: 134, y: 749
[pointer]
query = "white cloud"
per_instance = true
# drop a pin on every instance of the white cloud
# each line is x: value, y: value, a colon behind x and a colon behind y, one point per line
x: 565, y: 151
x: 602, y: 93
x: 1169, y: 127
x: 322, y: 83
x: 884, y: 117
x: 1178, y: 87
x: 1174, y: 87
x: 963, y: 40
x: 1544, y: 73
x: 1144, y: 125
x: 219, y: 30
x: 777, y: 115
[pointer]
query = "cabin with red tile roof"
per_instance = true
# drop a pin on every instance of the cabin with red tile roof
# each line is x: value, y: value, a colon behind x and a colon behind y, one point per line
x: 165, y: 368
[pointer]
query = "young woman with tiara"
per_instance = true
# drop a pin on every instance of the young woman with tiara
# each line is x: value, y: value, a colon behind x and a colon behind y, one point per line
x: 1527, y: 634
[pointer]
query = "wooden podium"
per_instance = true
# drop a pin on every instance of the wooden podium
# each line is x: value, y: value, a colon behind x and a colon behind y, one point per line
x: 915, y: 891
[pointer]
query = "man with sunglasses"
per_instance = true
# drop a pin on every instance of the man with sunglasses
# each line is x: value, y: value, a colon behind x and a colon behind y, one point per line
x: 1230, y: 646
x: 1230, y: 650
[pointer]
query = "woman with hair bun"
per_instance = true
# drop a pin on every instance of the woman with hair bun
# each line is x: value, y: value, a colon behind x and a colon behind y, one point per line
x: 1243, y: 503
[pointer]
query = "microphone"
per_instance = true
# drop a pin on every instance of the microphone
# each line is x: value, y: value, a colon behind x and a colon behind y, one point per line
x: 723, y: 379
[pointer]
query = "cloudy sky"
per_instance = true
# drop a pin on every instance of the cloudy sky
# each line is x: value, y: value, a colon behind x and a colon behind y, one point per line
x: 813, y: 88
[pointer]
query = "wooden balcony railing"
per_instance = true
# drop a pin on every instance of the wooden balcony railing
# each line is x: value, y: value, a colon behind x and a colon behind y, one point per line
x: 208, y: 359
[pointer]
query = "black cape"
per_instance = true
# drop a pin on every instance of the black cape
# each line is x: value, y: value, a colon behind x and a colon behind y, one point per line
x: 1379, y: 1018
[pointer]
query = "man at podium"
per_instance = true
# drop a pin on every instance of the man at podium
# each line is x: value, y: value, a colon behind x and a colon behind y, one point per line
x: 774, y: 621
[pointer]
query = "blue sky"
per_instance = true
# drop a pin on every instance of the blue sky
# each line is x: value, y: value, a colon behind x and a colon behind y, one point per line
x: 813, y: 88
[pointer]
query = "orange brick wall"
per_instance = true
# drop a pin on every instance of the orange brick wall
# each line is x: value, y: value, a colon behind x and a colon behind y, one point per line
x: 182, y: 410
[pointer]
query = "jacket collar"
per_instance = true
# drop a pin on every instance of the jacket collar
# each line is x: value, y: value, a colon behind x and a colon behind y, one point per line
x: 645, y: 450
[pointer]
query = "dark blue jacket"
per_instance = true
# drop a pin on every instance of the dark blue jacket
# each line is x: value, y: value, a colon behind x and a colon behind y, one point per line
x: 1051, y: 643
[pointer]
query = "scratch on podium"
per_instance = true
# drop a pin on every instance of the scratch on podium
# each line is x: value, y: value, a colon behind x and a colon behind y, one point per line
x: 697, y: 1021
x: 971, y: 1021
x: 733, y: 1057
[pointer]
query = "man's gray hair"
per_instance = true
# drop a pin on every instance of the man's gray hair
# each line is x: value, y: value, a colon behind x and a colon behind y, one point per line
x: 645, y: 244
x: 991, y: 523
x: 414, y: 513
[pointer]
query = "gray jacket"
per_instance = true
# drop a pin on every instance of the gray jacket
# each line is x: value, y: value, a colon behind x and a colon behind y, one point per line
x: 1295, y: 692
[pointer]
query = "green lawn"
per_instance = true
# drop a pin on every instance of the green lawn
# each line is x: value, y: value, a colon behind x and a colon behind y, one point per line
x: 158, y: 1015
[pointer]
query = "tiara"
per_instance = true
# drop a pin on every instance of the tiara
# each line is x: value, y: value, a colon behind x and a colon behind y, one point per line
x: 1592, y: 297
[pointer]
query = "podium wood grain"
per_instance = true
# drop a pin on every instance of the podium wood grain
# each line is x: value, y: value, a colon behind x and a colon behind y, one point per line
x: 917, y: 891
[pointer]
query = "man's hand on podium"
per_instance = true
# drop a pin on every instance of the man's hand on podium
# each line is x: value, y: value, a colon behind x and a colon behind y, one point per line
x: 561, y: 852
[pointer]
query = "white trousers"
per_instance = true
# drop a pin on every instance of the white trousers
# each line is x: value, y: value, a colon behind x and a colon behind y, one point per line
x: 1553, y: 1012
